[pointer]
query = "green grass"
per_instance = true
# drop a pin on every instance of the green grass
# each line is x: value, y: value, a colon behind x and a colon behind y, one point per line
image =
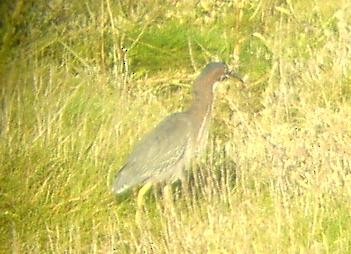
x: 81, y: 83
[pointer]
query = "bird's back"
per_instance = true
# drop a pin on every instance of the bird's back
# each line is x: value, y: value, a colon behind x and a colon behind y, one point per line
x: 160, y: 155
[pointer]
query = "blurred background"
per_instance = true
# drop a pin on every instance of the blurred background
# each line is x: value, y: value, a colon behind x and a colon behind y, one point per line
x: 82, y: 81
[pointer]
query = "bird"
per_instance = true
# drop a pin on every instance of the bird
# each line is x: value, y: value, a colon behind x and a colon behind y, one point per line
x: 163, y: 154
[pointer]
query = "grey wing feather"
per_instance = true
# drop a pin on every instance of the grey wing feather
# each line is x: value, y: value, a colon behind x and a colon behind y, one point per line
x: 156, y: 153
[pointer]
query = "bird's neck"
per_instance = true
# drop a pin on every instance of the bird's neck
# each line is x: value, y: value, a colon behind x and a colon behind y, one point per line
x: 201, y: 107
x: 201, y: 102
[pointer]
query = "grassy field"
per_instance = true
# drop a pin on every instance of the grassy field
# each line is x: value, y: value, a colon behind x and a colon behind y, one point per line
x: 82, y: 81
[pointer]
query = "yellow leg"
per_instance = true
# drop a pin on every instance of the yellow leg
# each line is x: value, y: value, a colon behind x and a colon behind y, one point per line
x: 141, y: 193
x: 185, y: 184
x: 168, y: 197
x: 141, y: 201
x: 167, y: 194
x: 169, y: 208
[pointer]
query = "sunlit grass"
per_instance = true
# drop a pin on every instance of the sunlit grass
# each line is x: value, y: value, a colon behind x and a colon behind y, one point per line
x: 82, y: 84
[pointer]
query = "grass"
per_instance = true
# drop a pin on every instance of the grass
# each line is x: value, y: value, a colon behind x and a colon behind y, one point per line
x: 82, y: 82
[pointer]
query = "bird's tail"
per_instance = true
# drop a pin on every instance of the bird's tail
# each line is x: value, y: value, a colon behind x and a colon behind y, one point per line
x: 119, y: 186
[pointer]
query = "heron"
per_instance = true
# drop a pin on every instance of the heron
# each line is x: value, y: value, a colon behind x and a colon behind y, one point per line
x: 163, y: 154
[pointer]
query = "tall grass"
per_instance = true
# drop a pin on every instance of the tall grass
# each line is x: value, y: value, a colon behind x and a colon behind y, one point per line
x: 82, y: 82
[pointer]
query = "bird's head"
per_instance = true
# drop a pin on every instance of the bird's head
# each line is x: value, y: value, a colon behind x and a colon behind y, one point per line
x: 214, y: 72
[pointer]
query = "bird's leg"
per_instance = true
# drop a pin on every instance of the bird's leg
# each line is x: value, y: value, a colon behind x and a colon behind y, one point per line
x: 167, y: 194
x: 141, y: 193
x: 168, y: 200
x: 141, y: 201
x: 185, y: 183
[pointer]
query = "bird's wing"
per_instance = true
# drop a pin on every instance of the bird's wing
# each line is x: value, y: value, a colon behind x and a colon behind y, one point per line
x: 157, y: 153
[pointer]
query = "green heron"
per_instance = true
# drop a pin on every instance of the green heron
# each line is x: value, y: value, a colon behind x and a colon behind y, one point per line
x: 164, y: 153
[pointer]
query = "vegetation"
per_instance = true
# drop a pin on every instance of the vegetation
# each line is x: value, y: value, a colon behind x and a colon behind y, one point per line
x: 82, y: 81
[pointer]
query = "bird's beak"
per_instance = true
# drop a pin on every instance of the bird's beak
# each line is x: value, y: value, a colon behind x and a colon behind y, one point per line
x: 233, y: 74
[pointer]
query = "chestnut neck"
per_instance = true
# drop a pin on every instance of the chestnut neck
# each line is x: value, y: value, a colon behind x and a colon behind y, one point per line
x: 201, y: 105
